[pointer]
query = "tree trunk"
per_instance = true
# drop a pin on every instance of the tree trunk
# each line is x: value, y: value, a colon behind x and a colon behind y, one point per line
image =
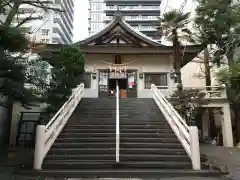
x: 177, y: 58
x: 213, y: 128
x: 12, y: 13
x: 207, y: 67
x: 237, y: 123
x: 230, y: 58
x: 8, y: 123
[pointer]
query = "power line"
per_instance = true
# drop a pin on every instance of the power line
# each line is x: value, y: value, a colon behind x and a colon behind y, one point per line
x: 182, y: 6
x: 165, y: 8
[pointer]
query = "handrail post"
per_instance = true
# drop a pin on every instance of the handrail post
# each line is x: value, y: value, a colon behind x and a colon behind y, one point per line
x: 195, y: 150
x: 39, y: 147
x: 224, y: 91
x: 117, y: 124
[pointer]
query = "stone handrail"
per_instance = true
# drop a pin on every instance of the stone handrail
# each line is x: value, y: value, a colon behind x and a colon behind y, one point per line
x: 187, y: 135
x: 211, y: 92
x: 46, y: 135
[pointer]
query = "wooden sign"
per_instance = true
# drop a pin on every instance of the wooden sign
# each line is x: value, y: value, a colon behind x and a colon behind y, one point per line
x: 118, y: 75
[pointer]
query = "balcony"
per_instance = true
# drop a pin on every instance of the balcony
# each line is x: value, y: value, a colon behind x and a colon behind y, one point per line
x: 56, y: 35
x: 133, y: 8
x: 134, y: 18
x: 145, y: 28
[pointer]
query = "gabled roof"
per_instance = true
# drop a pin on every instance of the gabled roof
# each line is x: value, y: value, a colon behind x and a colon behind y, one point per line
x: 118, y: 37
x: 119, y: 32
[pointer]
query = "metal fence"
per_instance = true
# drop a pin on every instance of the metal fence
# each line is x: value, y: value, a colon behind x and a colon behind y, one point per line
x: 27, y: 128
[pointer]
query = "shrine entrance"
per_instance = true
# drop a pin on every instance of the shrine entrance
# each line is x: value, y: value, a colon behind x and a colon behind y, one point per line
x: 127, y: 83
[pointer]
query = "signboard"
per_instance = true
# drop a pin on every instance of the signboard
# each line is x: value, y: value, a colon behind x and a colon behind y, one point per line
x: 131, y: 81
x: 117, y: 75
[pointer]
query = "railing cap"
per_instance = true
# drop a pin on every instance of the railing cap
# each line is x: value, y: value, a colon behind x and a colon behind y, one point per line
x: 223, y: 86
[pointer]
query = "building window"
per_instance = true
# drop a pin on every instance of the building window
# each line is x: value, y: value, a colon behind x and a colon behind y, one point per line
x: 55, y: 30
x: 45, y: 41
x: 42, y: 40
x: 86, y: 79
x: 95, y: 27
x: 95, y: 17
x: 45, y: 32
x: 157, y: 79
x: 97, y: 6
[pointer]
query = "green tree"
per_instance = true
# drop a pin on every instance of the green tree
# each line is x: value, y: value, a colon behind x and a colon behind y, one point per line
x: 66, y: 75
x: 173, y: 26
x: 218, y: 23
x: 231, y: 77
x: 14, y: 57
x: 188, y: 104
x: 205, y: 58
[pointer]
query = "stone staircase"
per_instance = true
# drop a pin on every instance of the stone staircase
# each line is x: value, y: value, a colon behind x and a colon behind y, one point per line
x: 148, y: 146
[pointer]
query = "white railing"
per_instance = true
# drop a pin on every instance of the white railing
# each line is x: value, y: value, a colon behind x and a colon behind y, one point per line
x: 46, y: 135
x: 117, y: 125
x: 211, y: 92
x: 187, y: 135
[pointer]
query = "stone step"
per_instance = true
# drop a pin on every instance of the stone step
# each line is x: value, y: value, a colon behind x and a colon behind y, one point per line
x: 121, y: 113
x: 77, y: 164
x: 140, y: 135
x: 113, y: 126
x: 123, y: 157
x: 113, y: 139
x: 113, y: 122
x: 127, y: 130
x: 158, y: 151
x: 107, y: 120
x: 112, y: 145
x: 121, y: 173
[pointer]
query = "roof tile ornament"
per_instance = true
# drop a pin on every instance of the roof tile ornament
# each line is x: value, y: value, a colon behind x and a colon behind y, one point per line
x: 118, y: 14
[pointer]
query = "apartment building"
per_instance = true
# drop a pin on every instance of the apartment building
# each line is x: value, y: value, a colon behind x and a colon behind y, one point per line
x: 96, y: 16
x: 53, y: 27
x: 142, y: 15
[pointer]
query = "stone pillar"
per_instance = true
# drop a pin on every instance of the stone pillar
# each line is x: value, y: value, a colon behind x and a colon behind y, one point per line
x: 227, y: 126
x: 170, y: 85
x: 205, y: 124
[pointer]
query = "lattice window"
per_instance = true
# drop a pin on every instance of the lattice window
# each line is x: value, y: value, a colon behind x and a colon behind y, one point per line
x: 157, y: 79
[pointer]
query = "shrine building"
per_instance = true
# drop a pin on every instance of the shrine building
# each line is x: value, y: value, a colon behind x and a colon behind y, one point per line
x: 121, y: 55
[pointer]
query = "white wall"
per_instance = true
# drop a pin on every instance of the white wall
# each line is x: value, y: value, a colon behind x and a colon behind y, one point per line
x: 148, y: 63
x: 193, y: 74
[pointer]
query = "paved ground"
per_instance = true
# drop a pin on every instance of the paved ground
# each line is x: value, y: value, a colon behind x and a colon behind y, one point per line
x: 182, y: 178
x: 226, y: 158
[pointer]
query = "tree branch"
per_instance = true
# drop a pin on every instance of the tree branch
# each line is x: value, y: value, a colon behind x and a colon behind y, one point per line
x: 28, y: 19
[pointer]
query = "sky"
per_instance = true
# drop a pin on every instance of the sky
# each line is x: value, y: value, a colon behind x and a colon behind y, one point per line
x: 81, y: 15
x: 80, y: 20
